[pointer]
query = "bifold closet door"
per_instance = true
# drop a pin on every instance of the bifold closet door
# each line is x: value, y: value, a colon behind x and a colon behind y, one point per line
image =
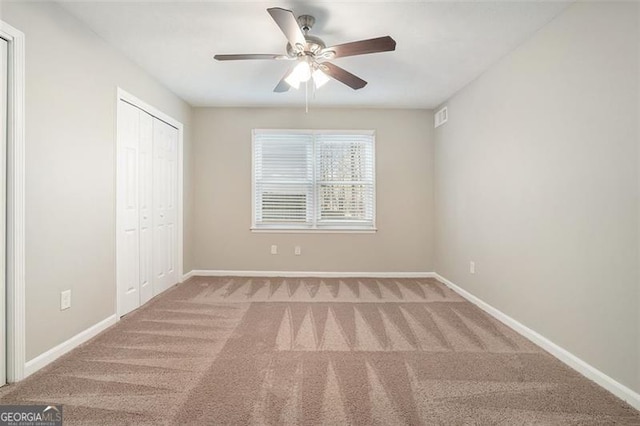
x: 135, y: 157
x: 147, y: 207
x: 165, y: 229
x: 128, y: 232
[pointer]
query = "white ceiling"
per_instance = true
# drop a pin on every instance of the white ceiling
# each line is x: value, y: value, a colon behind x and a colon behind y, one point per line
x: 441, y: 46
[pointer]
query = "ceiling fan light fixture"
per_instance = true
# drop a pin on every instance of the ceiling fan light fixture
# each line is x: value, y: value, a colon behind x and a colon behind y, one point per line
x: 292, y: 81
x: 300, y: 74
x: 320, y: 78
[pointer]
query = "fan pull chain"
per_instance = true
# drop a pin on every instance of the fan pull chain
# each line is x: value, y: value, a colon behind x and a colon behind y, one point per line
x: 306, y: 97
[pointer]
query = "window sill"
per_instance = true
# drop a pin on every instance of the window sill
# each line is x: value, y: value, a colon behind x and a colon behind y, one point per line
x: 313, y: 231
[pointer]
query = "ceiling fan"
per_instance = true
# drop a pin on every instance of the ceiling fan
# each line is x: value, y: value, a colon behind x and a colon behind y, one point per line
x: 311, y: 54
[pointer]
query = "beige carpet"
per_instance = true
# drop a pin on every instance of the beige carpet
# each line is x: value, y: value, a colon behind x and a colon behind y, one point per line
x: 315, y: 351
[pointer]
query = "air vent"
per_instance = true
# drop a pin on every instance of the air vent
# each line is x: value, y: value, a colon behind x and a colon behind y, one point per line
x: 441, y: 117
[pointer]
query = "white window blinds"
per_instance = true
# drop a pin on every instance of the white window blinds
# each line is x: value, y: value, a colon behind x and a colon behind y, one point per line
x: 313, y: 180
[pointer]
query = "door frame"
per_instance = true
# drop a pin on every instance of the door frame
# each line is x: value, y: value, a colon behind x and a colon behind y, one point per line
x: 125, y: 96
x: 15, y: 280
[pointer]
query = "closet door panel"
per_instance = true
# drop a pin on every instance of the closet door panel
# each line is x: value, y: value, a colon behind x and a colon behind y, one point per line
x: 128, y: 250
x: 172, y: 204
x: 164, y: 205
x: 146, y: 205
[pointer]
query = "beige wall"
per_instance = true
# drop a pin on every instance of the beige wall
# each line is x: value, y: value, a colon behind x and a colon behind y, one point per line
x: 638, y: 202
x: 71, y: 80
x: 222, y: 184
x: 537, y: 182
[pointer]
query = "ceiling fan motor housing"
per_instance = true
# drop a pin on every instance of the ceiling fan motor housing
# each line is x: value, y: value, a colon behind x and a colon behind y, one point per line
x: 314, y: 44
x: 306, y: 22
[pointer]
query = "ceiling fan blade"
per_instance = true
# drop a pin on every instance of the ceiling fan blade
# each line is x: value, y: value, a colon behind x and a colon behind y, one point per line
x: 362, y: 47
x: 287, y: 22
x: 242, y: 57
x: 343, y: 76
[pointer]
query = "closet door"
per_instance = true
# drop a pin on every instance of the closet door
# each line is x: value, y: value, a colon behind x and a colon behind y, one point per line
x: 4, y: 87
x: 145, y: 163
x: 127, y: 240
x: 165, y: 230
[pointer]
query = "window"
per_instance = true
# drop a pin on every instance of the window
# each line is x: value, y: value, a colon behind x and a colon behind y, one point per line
x: 313, y: 180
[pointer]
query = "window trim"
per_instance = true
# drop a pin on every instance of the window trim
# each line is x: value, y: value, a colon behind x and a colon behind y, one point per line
x: 323, y: 229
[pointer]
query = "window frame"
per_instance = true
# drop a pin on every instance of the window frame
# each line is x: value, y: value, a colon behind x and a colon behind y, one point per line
x: 315, y: 229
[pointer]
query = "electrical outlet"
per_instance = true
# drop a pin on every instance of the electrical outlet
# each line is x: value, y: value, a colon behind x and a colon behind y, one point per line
x: 274, y: 249
x: 297, y: 251
x: 472, y: 267
x: 65, y: 300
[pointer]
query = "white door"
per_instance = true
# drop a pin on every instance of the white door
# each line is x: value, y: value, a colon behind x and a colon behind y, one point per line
x: 145, y: 163
x: 165, y: 229
x: 127, y: 240
x: 4, y: 85
x: 147, y: 196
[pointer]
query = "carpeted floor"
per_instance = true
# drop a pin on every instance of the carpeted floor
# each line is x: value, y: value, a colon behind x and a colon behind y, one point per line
x: 315, y: 351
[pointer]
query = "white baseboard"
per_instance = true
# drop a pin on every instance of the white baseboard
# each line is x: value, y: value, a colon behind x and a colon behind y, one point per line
x: 188, y: 275
x: 56, y: 352
x: 315, y: 274
x: 587, y: 370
